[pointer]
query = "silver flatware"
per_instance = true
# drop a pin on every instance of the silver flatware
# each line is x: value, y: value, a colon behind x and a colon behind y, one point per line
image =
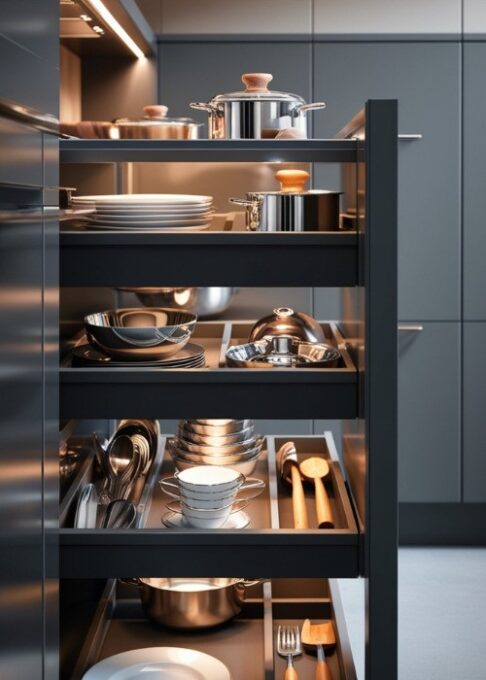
x: 288, y: 646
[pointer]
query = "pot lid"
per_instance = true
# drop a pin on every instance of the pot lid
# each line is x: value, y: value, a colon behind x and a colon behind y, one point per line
x: 155, y: 114
x: 284, y: 321
x: 257, y: 89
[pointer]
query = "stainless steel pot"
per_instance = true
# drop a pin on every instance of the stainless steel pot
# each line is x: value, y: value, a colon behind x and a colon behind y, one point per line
x: 256, y: 112
x: 155, y: 125
x: 292, y: 208
x: 189, y: 603
x: 205, y: 302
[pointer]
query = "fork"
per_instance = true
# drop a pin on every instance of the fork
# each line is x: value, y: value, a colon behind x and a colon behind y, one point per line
x: 289, y: 645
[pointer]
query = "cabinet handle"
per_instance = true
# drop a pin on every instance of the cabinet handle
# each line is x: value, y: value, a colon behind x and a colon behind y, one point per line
x: 44, y: 122
x: 410, y: 328
x: 410, y: 137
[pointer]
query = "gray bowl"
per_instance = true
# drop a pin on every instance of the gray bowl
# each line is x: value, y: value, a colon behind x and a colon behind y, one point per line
x: 140, y: 333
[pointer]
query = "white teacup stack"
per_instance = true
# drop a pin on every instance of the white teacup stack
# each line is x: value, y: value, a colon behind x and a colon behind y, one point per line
x: 208, y: 494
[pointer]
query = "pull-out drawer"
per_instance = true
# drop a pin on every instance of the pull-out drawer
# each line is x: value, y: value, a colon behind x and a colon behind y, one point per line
x: 268, y: 545
x: 247, y: 645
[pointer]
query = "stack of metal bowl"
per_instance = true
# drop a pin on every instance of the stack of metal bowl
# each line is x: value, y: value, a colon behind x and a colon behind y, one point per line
x: 230, y: 443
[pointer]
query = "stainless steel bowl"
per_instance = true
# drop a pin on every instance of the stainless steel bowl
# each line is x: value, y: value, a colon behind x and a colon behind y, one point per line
x: 228, y: 450
x: 245, y: 467
x: 207, y: 459
x: 205, y: 302
x: 217, y: 441
x: 216, y: 427
x: 140, y: 333
x: 282, y: 352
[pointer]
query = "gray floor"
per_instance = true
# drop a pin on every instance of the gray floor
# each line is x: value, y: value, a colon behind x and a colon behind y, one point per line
x: 442, y: 614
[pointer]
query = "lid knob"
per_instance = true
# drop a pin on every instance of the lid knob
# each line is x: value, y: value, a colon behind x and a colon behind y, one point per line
x: 256, y: 82
x: 155, y: 111
x: 292, y: 181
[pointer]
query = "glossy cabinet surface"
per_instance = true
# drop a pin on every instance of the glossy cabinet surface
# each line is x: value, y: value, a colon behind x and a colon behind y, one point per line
x: 21, y: 431
x: 424, y: 77
x: 474, y: 402
x: 474, y: 209
x: 429, y: 414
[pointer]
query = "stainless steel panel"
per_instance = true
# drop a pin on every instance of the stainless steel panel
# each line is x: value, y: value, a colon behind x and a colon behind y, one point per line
x: 425, y: 78
x: 474, y: 153
x: 429, y: 446
x: 51, y: 437
x: 473, y: 410
x: 20, y: 154
x: 21, y: 435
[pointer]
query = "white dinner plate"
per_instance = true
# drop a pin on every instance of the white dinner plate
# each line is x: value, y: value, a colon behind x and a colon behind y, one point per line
x: 144, y: 199
x: 169, y: 222
x: 162, y: 230
x: 153, y: 211
x: 159, y: 663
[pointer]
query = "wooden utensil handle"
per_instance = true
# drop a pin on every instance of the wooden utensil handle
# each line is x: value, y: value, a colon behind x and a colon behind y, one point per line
x: 291, y: 674
x: 301, y: 521
x: 323, y: 672
x: 323, y: 506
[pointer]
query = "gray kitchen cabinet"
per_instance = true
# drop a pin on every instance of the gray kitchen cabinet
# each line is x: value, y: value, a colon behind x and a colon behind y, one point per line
x: 429, y: 414
x: 34, y: 26
x: 40, y: 90
x: 425, y: 78
x: 474, y: 154
x: 192, y: 72
x: 474, y: 437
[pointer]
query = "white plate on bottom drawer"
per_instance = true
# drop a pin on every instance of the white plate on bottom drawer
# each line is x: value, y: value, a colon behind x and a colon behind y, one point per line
x: 159, y: 663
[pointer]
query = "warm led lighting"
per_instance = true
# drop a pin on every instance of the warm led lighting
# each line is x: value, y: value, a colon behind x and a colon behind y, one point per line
x: 107, y: 16
x: 98, y: 29
x: 85, y: 17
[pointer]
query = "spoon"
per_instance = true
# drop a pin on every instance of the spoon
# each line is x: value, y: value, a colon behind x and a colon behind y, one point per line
x: 124, y: 463
x: 316, y: 469
x: 120, y: 514
x: 289, y: 469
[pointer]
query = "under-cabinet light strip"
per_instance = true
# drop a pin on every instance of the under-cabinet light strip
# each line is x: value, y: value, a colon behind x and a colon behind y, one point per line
x: 108, y: 17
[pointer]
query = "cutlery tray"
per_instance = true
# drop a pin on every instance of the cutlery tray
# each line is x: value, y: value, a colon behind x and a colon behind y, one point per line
x: 272, y: 509
x: 87, y: 472
x: 246, y: 644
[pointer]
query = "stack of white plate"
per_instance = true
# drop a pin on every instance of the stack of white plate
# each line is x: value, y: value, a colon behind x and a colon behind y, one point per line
x: 147, y: 212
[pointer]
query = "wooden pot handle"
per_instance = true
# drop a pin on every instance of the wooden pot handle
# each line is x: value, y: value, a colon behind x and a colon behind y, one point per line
x: 323, y: 506
x: 256, y: 82
x: 155, y: 111
x: 292, y: 181
x: 291, y: 674
x: 323, y: 672
x: 301, y: 520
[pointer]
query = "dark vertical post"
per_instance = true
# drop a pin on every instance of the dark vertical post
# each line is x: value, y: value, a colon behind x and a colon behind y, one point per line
x: 380, y: 387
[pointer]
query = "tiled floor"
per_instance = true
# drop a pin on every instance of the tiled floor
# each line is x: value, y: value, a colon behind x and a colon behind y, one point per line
x: 442, y: 614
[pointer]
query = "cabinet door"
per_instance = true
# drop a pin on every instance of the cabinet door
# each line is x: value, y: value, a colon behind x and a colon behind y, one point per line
x: 425, y: 78
x: 474, y: 154
x: 429, y: 414
x: 474, y: 413
x: 21, y: 432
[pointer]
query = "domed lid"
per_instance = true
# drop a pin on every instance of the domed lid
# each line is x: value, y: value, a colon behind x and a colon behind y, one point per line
x: 257, y: 89
x: 155, y: 114
x: 284, y: 321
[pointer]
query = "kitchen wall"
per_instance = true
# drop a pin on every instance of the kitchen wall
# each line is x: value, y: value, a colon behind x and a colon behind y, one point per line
x: 430, y: 54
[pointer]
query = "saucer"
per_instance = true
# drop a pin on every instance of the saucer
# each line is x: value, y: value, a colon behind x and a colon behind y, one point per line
x: 238, y: 520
